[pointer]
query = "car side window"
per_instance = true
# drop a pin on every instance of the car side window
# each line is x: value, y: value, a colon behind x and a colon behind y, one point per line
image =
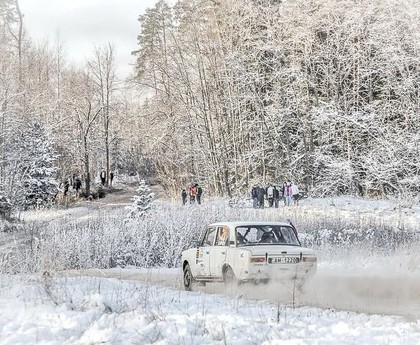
x: 209, y: 237
x: 289, y: 235
x: 223, y: 236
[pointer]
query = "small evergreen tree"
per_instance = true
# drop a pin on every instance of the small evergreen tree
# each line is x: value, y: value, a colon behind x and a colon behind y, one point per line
x: 142, y: 202
x: 38, y: 184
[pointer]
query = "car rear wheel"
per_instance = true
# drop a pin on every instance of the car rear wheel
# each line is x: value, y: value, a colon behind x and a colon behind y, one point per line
x: 188, y: 278
x: 229, y: 277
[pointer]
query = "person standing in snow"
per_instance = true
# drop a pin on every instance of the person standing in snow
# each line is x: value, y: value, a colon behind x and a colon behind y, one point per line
x: 77, y: 184
x: 73, y: 181
x: 66, y: 186
x: 295, y: 193
x: 276, y: 197
x: 254, y: 195
x: 199, y: 193
x: 270, y: 197
x: 111, y: 178
x: 102, y: 175
x: 283, y: 188
x: 184, y: 196
x: 288, y: 193
x: 261, y: 194
x: 193, y: 193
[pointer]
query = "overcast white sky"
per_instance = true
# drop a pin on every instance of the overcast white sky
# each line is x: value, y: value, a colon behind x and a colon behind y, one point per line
x: 82, y: 24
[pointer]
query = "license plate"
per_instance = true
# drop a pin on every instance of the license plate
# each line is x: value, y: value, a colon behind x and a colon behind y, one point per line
x: 283, y: 260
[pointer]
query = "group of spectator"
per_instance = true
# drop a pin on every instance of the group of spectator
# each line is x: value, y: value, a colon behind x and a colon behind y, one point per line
x: 102, y: 175
x: 73, y: 181
x: 288, y: 193
x: 194, y: 192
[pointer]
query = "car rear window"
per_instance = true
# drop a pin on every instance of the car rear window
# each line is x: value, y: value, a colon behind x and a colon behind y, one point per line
x: 265, y: 234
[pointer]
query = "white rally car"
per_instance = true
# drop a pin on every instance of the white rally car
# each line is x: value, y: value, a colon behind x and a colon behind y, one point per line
x: 240, y: 252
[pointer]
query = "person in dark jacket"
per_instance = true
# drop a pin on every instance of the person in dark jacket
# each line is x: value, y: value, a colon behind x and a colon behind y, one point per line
x: 276, y: 197
x: 261, y: 194
x: 184, y: 196
x: 66, y: 186
x: 254, y: 196
x: 77, y: 184
x: 199, y: 193
x: 283, y: 191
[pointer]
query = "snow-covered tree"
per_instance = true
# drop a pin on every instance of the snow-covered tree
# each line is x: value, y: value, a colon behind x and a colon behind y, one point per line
x: 263, y: 90
x: 35, y: 162
x: 104, y: 80
x: 142, y: 202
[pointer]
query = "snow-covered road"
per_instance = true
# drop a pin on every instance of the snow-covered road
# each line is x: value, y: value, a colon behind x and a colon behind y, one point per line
x: 92, y: 310
x: 330, y: 289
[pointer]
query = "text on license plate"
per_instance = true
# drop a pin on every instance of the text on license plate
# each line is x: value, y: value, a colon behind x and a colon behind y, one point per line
x: 283, y: 260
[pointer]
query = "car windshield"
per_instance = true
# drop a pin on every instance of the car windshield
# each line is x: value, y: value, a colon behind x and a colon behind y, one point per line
x: 265, y: 234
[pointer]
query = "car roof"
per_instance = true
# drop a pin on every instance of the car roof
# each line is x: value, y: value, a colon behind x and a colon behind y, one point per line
x: 249, y: 223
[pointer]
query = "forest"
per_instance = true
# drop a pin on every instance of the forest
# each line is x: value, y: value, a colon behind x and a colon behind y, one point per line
x: 228, y: 94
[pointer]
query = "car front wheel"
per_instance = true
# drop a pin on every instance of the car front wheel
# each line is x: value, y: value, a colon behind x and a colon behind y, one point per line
x: 188, y: 278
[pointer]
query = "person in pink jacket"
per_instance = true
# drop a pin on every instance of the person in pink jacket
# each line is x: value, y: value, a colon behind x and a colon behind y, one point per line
x: 287, y: 193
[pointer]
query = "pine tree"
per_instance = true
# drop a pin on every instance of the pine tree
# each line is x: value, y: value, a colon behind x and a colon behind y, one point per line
x: 142, y: 202
x: 38, y: 185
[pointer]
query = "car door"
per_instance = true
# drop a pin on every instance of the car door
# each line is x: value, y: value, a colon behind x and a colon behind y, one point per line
x: 218, y: 255
x: 203, y: 255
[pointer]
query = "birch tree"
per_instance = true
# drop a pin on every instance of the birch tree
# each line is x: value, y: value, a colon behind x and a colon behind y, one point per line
x: 104, y: 78
x: 86, y: 112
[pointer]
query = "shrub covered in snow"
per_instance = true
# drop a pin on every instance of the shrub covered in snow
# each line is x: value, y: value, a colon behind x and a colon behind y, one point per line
x: 157, y: 239
x: 142, y: 202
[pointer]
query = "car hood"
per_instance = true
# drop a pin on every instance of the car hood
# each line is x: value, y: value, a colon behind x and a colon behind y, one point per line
x: 278, y: 250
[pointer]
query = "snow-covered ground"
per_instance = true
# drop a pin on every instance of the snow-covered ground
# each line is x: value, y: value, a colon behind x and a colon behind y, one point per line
x: 94, y: 310
x: 366, y: 298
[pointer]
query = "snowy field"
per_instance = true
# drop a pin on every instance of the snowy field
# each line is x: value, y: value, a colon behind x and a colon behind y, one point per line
x: 93, y: 310
x: 360, y: 295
